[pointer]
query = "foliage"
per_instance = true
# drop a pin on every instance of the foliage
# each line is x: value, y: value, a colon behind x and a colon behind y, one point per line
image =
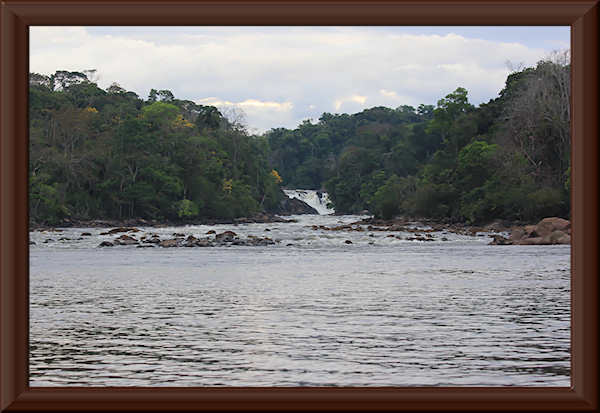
x: 508, y: 158
x: 110, y: 154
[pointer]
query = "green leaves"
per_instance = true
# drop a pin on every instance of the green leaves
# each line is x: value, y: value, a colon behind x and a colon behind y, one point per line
x: 108, y: 154
x: 160, y: 113
x: 394, y: 197
x: 186, y: 209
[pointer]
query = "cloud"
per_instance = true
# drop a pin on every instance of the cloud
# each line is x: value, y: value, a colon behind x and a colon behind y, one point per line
x: 389, y: 93
x: 361, y: 100
x: 281, y: 75
x: 248, y: 103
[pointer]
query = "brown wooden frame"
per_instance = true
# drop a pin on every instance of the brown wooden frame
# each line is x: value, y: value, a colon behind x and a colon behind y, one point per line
x: 17, y: 15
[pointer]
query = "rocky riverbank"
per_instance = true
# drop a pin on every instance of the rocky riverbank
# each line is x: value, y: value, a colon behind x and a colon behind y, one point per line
x: 411, y: 224
x: 549, y: 231
x: 262, y: 218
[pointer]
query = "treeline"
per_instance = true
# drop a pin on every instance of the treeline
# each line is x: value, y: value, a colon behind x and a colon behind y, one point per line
x: 98, y: 153
x: 505, y: 159
x: 110, y: 154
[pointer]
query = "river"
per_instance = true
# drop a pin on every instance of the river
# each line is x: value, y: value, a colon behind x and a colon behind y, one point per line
x: 311, y: 310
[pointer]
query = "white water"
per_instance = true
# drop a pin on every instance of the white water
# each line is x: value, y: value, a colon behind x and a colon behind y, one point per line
x: 312, y: 198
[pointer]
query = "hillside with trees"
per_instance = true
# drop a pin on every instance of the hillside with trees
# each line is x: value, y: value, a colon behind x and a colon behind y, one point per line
x: 98, y: 153
x: 109, y: 154
x: 505, y: 159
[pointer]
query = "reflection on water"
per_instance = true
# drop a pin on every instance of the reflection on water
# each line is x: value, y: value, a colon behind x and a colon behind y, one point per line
x: 394, y: 314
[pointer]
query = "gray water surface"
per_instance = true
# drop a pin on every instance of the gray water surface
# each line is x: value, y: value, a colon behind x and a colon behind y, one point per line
x: 319, y: 312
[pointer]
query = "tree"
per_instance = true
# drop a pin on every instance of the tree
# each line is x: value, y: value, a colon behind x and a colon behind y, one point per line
x: 209, y: 117
x: 115, y: 89
x: 166, y: 96
x: 537, y: 117
x: 62, y: 79
x: 159, y: 113
x: 393, y: 197
x: 450, y: 110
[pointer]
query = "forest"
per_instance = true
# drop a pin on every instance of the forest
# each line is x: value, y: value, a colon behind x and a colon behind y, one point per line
x: 109, y: 154
x: 506, y: 159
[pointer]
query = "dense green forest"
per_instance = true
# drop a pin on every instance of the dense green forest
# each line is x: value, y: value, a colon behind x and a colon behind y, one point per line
x: 98, y: 153
x: 109, y: 154
x: 505, y: 159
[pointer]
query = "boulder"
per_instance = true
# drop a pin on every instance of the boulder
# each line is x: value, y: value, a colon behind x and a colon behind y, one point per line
x: 548, y: 231
x: 120, y: 229
x: 191, y: 241
x: 294, y: 206
x: 169, y: 243
x: 535, y: 241
x: 530, y: 241
x: 204, y: 243
x: 530, y: 231
x: 86, y: 234
x: 106, y: 244
x: 557, y: 224
x: 543, y: 229
x: 226, y: 236
x: 125, y: 240
x: 556, y: 235
x: 496, y: 226
x: 516, y: 234
x: 262, y: 241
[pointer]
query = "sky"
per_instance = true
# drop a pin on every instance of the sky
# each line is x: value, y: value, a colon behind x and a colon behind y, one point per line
x: 280, y: 76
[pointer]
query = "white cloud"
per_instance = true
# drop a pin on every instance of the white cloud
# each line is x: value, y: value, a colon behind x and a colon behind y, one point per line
x: 361, y: 100
x: 248, y: 103
x: 389, y: 93
x: 279, y: 76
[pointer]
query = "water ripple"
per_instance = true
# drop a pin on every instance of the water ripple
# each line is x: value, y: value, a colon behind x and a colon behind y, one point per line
x: 454, y: 314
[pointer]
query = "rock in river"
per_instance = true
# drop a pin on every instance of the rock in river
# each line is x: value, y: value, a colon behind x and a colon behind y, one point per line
x: 125, y: 240
x: 226, y: 236
x: 548, y: 231
x: 169, y: 243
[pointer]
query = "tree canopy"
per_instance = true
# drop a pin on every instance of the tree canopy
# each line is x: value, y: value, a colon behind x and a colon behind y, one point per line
x: 98, y: 153
x: 505, y: 159
x: 109, y: 154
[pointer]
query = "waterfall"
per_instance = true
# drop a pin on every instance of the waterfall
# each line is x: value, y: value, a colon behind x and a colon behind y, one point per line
x: 316, y: 199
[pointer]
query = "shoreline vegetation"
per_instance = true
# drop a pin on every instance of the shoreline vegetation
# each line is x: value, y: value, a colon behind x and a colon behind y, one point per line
x: 110, y: 158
